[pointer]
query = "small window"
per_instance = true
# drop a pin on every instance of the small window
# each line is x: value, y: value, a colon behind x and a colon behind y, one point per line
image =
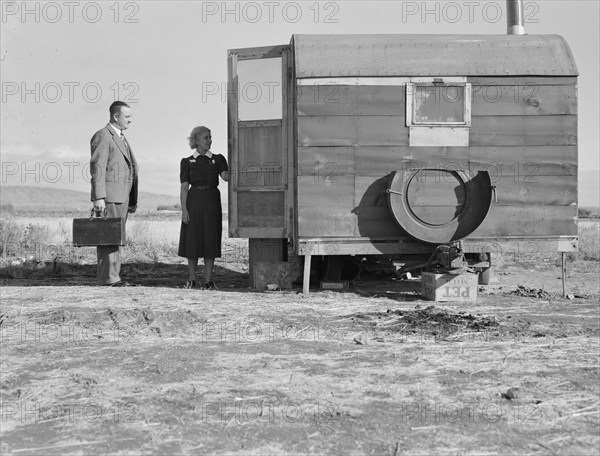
x: 438, y: 104
x: 438, y: 111
x: 259, y: 89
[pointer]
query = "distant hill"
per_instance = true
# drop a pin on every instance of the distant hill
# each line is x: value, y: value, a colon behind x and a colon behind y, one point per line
x: 46, y: 199
x: 27, y: 198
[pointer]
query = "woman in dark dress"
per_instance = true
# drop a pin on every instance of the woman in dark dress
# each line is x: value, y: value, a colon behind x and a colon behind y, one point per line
x: 201, y: 214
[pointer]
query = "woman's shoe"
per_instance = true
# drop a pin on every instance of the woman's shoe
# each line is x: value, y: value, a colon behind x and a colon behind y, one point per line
x: 190, y: 284
x: 210, y: 286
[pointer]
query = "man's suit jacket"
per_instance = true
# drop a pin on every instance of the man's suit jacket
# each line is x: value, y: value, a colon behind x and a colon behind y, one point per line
x: 114, y: 169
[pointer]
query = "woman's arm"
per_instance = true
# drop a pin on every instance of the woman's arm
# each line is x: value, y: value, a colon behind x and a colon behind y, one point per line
x: 225, y: 175
x: 185, y: 216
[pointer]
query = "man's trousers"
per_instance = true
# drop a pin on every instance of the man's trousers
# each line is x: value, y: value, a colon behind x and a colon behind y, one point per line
x: 109, y: 256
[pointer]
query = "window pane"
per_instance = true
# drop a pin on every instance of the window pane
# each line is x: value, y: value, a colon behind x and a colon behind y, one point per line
x: 259, y: 89
x: 439, y: 104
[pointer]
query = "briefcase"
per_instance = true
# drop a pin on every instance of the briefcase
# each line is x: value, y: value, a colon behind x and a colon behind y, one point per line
x: 98, y: 230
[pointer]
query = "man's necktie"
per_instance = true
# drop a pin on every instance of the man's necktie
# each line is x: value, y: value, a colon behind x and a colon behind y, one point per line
x: 126, y: 147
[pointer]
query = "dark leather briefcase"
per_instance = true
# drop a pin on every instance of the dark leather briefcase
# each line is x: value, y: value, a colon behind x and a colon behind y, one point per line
x: 98, y: 230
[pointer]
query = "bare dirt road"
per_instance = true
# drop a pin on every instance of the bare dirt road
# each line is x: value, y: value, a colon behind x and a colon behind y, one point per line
x: 155, y: 369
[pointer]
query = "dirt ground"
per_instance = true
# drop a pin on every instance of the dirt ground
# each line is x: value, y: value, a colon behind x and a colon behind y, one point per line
x: 155, y: 369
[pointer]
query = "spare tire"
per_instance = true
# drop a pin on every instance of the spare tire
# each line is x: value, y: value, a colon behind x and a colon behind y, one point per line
x: 439, y: 206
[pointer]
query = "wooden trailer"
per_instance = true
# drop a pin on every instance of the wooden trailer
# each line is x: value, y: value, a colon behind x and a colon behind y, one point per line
x: 393, y: 144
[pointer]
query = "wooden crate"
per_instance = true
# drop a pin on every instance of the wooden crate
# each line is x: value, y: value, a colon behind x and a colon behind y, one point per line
x: 449, y: 287
x: 98, y: 231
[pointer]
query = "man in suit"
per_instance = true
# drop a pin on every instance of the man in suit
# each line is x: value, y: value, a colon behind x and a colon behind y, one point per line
x: 114, y: 184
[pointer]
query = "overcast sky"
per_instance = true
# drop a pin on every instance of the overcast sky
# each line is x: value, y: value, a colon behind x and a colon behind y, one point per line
x: 63, y: 63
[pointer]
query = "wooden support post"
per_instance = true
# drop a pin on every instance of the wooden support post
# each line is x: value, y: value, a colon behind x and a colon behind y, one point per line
x: 564, y: 273
x: 263, y: 250
x: 306, y: 279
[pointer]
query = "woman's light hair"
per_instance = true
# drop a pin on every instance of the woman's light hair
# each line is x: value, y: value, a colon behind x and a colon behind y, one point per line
x: 196, y: 132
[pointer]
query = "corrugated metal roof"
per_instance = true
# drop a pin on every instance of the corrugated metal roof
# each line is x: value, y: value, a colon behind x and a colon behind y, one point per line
x: 427, y: 55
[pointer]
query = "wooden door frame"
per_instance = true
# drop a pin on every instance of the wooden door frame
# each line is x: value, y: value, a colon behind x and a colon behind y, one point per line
x: 233, y: 125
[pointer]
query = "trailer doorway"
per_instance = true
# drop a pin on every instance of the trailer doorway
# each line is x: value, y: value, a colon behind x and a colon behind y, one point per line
x: 258, y: 142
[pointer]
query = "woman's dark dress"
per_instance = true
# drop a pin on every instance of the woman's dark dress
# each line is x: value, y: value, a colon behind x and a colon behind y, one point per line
x: 201, y: 237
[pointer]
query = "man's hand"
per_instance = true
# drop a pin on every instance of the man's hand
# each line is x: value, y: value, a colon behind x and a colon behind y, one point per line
x: 99, y: 205
x: 185, y: 216
x: 132, y: 209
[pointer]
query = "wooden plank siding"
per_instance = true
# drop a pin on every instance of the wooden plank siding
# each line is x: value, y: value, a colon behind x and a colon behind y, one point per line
x: 331, y: 131
x: 522, y: 81
x: 344, y: 100
x: 534, y: 100
x: 517, y: 161
x: 501, y: 130
x: 389, y: 55
x: 524, y: 130
x: 487, y: 100
x: 377, y: 223
x: 260, y: 161
x: 526, y: 140
x: 544, y: 190
x: 529, y: 220
x: 336, y: 221
x: 261, y: 209
x: 315, y: 194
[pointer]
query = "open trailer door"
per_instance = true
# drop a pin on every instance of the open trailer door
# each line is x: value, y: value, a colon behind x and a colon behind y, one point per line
x: 258, y: 142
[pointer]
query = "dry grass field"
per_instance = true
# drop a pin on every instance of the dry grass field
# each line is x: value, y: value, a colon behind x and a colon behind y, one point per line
x: 154, y: 369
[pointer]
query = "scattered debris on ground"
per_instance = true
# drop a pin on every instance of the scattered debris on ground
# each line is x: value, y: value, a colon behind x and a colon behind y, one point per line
x: 429, y: 320
x: 431, y: 315
x: 538, y: 293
